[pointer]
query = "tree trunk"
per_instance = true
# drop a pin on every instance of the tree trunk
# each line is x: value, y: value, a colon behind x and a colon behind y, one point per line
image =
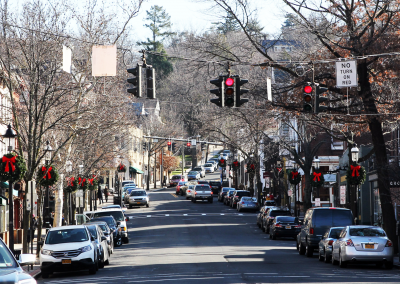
x: 307, y: 191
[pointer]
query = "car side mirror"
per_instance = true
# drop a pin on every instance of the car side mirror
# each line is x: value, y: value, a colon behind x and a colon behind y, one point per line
x: 103, y: 238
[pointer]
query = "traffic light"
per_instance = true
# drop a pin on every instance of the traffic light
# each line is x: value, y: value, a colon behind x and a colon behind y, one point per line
x: 151, y: 82
x: 188, y: 144
x: 173, y: 147
x: 219, y: 92
x: 203, y: 146
x: 169, y: 144
x: 144, y: 146
x: 239, y: 91
x: 136, y: 81
x: 318, y: 100
x: 230, y: 92
x: 308, y: 101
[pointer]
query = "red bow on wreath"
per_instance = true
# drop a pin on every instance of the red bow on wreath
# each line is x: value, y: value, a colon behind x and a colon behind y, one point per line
x: 355, y: 170
x: 121, y: 167
x: 316, y: 176
x: 10, y: 161
x: 81, y: 181
x: 48, y: 172
x: 90, y: 180
x: 72, y: 181
x: 236, y: 164
x: 294, y: 175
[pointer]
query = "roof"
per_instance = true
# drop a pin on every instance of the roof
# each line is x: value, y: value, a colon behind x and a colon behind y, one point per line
x: 278, y: 42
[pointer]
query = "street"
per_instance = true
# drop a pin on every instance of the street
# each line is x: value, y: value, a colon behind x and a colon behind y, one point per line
x: 178, y: 241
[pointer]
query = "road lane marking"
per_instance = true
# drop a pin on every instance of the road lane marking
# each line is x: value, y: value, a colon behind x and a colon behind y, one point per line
x: 185, y: 214
x: 203, y: 214
x: 148, y: 215
x: 166, y: 215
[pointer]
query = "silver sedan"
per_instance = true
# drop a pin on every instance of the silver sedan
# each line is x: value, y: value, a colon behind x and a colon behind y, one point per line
x: 138, y: 197
x: 325, y: 245
x: 247, y: 203
x: 363, y: 244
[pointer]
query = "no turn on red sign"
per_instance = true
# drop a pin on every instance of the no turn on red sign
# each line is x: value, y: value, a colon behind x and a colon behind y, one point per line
x: 346, y: 73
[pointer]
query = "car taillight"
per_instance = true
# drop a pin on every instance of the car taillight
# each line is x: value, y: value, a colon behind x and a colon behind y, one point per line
x: 297, y: 226
x: 278, y: 226
x: 257, y: 204
x: 242, y: 202
x: 212, y: 192
x: 349, y: 243
x: 311, y: 231
x: 389, y: 243
x: 237, y: 196
x: 195, y: 193
x: 330, y: 242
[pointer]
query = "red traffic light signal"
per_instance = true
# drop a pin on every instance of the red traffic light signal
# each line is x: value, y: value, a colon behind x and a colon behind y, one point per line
x: 169, y: 143
x: 308, y: 99
x: 307, y: 89
x: 188, y: 144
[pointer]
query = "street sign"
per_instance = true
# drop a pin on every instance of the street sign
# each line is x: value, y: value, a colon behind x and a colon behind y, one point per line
x: 266, y: 174
x: 342, y: 194
x: 317, y: 202
x: 267, y: 181
x: 346, y: 74
x: 193, y: 142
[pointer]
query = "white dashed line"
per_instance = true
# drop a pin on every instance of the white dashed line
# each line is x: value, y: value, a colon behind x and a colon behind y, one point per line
x: 148, y: 215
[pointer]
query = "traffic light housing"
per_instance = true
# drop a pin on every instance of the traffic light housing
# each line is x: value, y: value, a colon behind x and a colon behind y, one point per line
x: 219, y: 91
x: 230, y: 91
x: 173, y: 147
x: 203, y: 146
x: 308, y: 99
x: 320, y: 99
x: 144, y: 146
x: 151, y: 82
x: 136, y: 81
x: 169, y: 144
x: 239, y: 91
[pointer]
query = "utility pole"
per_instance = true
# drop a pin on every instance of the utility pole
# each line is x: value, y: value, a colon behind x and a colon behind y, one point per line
x: 148, y: 168
x: 183, y: 159
x: 162, y: 167
x: 155, y: 169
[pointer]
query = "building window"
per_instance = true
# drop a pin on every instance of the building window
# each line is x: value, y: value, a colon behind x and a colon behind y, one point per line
x: 337, y: 144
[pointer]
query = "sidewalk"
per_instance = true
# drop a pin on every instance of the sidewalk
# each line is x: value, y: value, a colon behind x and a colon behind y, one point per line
x: 35, y: 270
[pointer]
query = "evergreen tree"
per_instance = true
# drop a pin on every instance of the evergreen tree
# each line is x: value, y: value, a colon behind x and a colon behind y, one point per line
x: 229, y: 24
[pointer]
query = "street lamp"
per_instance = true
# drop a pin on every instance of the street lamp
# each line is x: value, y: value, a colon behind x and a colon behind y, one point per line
x: 354, y: 154
x: 46, y: 212
x: 11, y: 144
x: 68, y: 169
x: 84, y: 193
x: 316, y: 162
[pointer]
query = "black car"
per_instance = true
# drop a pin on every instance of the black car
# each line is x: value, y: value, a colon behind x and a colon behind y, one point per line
x: 228, y: 196
x: 270, y: 217
x: 316, y: 222
x: 203, y: 182
x: 215, y: 186
x: 284, y: 226
x: 117, y: 232
x: 223, y: 192
x: 237, y: 194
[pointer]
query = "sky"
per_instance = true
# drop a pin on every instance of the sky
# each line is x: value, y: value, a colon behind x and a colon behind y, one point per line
x: 194, y: 15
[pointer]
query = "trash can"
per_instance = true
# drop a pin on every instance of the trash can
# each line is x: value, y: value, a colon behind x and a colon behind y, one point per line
x: 117, y: 200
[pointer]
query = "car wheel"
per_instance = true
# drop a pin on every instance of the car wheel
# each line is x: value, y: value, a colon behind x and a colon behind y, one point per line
x: 297, y: 245
x: 107, y: 262
x: 389, y: 265
x: 302, y: 249
x: 93, y: 270
x: 101, y: 264
x: 326, y: 258
x: 273, y: 236
x: 342, y: 263
x: 118, y: 242
x: 126, y: 240
x: 147, y: 205
x: 320, y: 257
x: 45, y: 275
x: 333, y: 261
x: 309, y: 251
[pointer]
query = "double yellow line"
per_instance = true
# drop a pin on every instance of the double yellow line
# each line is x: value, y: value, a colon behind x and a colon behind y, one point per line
x: 174, y: 195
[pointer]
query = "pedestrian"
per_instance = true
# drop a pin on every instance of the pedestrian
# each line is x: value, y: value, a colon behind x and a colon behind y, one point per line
x: 33, y: 228
x: 100, y: 195
x: 106, y: 193
x: 63, y: 221
x: 277, y: 200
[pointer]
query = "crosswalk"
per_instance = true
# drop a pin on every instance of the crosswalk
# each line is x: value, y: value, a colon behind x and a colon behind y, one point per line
x: 253, y: 215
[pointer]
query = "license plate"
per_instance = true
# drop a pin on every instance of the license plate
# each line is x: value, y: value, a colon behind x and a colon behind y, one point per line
x: 138, y: 202
x: 66, y: 261
x: 368, y: 246
x: 288, y: 227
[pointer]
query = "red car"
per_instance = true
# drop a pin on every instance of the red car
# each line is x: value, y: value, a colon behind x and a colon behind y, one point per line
x: 176, y: 179
x: 178, y: 187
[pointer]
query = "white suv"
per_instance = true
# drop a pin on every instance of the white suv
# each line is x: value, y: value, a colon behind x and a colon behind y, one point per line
x: 68, y: 248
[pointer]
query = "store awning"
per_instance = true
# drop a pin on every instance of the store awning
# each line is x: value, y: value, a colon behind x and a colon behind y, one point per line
x: 135, y: 170
x: 4, y: 184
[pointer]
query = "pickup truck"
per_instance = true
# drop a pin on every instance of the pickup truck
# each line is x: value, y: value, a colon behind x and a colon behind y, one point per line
x: 202, y: 192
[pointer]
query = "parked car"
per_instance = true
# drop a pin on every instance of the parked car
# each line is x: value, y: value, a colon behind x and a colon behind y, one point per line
x: 128, y: 182
x: 247, y: 203
x: 209, y: 167
x: 101, y: 242
x: 203, y: 182
x: 176, y: 179
x: 113, y: 225
x: 178, y: 187
x: 260, y: 215
x: 188, y: 192
x: 119, y: 216
x: 325, y: 245
x: 126, y: 193
x: 108, y: 233
x: 228, y: 196
x: 227, y: 152
x: 358, y: 244
x: 202, y: 192
x: 223, y: 192
x: 201, y: 170
x: 68, y: 248
x: 11, y: 270
x: 269, y: 217
x: 317, y: 221
x: 215, y: 186
x: 284, y: 226
x: 214, y: 163
x: 139, y: 197
x: 193, y: 175
x: 237, y: 195
x: 270, y: 203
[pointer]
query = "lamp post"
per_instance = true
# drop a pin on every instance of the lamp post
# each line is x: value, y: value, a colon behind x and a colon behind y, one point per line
x: 68, y: 169
x: 354, y: 158
x: 10, y: 135
x: 316, y: 163
x: 84, y: 193
x: 46, y: 214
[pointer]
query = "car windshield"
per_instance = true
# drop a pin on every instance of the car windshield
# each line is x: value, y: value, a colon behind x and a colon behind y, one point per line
x: 109, y: 221
x: 193, y: 173
x: 93, y: 231
x: 275, y: 213
x: 118, y: 215
x: 138, y: 193
x: 286, y: 219
x: 67, y: 236
x: 6, y: 259
x: 198, y: 169
x: 103, y: 227
x: 334, y: 233
x: 249, y: 199
x: 208, y: 165
x: 176, y: 177
x: 367, y: 232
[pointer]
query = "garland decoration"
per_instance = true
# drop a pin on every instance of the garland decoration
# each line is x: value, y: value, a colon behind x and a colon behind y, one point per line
x: 72, y: 184
x: 83, y: 183
x: 12, y: 167
x: 294, y: 177
x: 235, y: 165
x: 251, y: 168
x: 317, y: 179
x: 47, y: 175
x: 121, y: 168
x: 222, y: 163
x: 93, y: 183
x: 356, y: 175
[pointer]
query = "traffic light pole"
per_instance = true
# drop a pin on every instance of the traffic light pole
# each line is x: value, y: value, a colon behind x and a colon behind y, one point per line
x: 148, y: 168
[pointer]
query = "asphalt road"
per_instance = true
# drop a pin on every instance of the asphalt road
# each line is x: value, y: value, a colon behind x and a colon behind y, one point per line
x: 177, y: 241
